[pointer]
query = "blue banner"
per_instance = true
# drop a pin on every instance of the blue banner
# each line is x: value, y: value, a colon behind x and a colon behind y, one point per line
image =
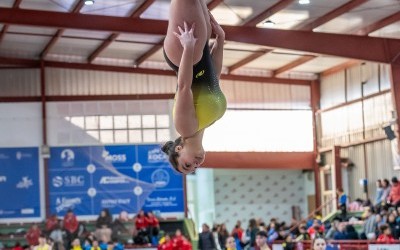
x: 120, y: 178
x: 19, y: 183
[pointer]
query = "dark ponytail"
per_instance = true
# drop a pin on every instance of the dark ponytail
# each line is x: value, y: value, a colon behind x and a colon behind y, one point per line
x: 169, y: 149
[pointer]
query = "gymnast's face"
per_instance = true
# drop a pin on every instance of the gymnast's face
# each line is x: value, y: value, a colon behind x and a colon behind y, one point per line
x: 189, y: 159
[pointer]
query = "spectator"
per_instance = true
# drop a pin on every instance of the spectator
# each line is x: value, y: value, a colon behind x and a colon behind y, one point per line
x: 369, y: 227
x: 17, y: 246
x: 215, y: 233
x: 222, y: 235
x: 141, y: 226
x: 153, y: 227
x: 51, y: 224
x: 386, y: 235
x: 394, y: 195
x: 318, y: 244
x: 342, y: 201
x: 118, y: 226
x: 95, y: 245
x: 177, y: 241
x: 103, y: 225
x: 115, y: 245
x: 54, y: 232
x: 71, y: 226
x: 261, y: 241
x: 237, y: 233
x: 316, y: 230
x: 76, y: 244
x: 394, y: 225
x: 272, y: 232
x: 386, y: 190
x: 334, y: 228
x: 351, y: 233
x: 230, y: 243
x: 166, y: 243
x: 42, y: 244
x: 303, y: 234
x: 206, y: 239
x: 281, y: 234
x: 340, y: 233
x: 288, y: 244
x: 252, y: 232
x: 32, y: 236
x: 379, y: 193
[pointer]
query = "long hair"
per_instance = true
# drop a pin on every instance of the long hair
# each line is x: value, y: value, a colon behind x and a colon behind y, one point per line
x: 169, y: 149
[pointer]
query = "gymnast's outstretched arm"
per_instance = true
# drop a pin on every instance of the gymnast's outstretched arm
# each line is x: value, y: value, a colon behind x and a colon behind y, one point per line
x: 185, y: 119
x: 217, y: 51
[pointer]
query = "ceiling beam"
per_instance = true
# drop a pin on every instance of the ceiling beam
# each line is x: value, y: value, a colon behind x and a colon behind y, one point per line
x: 309, y: 26
x: 135, y: 14
x: 379, y: 24
x: 294, y: 64
x: 248, y: 59
x: 4, y: 30
x: 340, y: 67
x: 267, y: 13
x: 211, y: 5
x: 120, y: 69
x: 358, y: 47
x: 260, y: 160
x: 76, y: 9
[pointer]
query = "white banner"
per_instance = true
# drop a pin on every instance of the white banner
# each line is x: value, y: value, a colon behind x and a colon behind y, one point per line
x: 384, y: 247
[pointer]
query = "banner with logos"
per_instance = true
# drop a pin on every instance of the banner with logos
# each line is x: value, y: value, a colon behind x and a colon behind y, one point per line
x: 120, y: 178
x: 383, y: 246
x: 19, y: 183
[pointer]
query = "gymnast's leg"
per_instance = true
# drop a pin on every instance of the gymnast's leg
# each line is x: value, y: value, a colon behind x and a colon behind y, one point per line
x: 189, y: 11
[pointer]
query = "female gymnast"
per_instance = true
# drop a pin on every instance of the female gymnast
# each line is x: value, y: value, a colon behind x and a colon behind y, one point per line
x: 199, y: 101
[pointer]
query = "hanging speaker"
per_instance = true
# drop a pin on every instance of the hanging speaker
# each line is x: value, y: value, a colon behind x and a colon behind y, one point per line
x: 389, y: 132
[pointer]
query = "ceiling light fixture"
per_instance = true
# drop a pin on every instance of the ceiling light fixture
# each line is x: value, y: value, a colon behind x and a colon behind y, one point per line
x: 89, y: 2
x: 304, y: 1
x: 268, y: 23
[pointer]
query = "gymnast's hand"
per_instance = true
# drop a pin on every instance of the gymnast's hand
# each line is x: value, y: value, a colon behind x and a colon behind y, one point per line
x: 186, y: 36
x: 216, y: 28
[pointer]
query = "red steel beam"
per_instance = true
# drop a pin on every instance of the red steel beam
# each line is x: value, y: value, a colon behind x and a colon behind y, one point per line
x: 396, y: 98
x: 16, y: 5
x: 135, y: 14
x: 268, y: 12
x: 315, y: 93
x: 309, y: 26
x: 260, y: 160
x: 211, y: 5
x: 248, y: 59
x: 379, y: 24
x: 77, y: 8
x: 348, y: 64
x: 97, y: 67
x: 293, y: 64
x: 364, y: 48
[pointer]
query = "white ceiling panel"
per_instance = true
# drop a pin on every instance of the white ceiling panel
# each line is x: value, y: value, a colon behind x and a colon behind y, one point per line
x: 159, y: 10
x: 231, y: 57
x: 320, y: 64
x: 242, y: 46
x: 114, y: 62
x: 86, y: 33
x: 6, y: 3
x: 31, y: 30
x: 112, y: 8
x: 48, y: 5
x: 391, y: 31
x: 75, y: 47
x: 125, y: 50
x: 139, y: 38
x: 272, y: 61
x: 363, y: 15
x: 22, y: 45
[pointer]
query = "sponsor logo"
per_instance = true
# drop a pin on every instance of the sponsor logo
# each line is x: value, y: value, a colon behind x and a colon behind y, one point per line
x: 110, y: 203
x: 200, y: 74
x: 69, y: 181
x: 25, y: 183
x: 113, y: 158
x: 156, y: 155
x: 67, y: 157
x: 3, y: 179
x: 160, y: 178
x: 65, y: 203
x: 3, y: 156
x: 113, y: 180
x: 27, y: 211
x: 19, y: 155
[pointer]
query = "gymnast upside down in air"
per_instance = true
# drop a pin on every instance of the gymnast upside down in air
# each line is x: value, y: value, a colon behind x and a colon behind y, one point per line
x: 199, y: 101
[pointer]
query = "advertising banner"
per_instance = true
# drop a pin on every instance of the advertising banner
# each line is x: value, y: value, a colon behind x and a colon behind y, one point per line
x: 120, y: 178
x: 19, y: 183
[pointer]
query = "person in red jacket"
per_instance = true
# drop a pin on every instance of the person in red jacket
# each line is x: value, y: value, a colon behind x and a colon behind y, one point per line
x: 71, y: 226
x: 166, y: 244
x: 33, y: 234
x: 178, y: 240
x: 394, y: 195
x: 153, y: 227
x: 141, y: 236
x: 386, y: 235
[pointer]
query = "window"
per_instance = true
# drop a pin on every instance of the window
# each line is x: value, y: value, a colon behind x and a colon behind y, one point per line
x: 125, y: 128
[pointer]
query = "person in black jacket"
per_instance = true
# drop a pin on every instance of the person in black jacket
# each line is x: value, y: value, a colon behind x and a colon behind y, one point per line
x: 206, y: 239
x: 103, y: 225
